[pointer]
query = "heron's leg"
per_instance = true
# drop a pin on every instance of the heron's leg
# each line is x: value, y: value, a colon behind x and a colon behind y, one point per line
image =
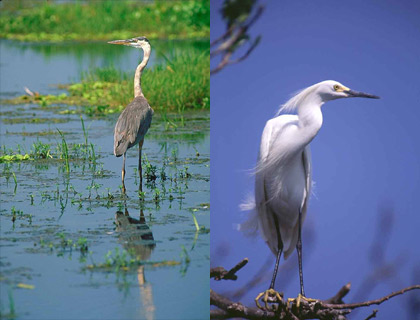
x: 123, y: 173
x: 140, y: 170
x: 272, y: 295
x: 299, y: 251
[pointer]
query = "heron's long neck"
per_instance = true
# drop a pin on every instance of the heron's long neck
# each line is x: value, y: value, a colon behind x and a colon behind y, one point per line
x: 310, y: 118
x: 139, y: 70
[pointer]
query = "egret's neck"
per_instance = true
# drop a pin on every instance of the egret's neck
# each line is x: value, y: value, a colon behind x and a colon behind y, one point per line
x: 310, y: 118
x: 139, y: 70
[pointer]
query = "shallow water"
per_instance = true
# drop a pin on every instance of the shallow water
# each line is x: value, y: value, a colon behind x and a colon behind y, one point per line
x: 54, y: 210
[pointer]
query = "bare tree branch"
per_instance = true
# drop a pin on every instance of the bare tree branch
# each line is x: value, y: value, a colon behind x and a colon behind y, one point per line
x: 235, y: 37
x: 332, y: 308
x: 371, y: 302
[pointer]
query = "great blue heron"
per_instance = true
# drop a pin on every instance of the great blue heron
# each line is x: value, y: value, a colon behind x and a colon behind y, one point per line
x: 135, y: 120
x: 284, y: 174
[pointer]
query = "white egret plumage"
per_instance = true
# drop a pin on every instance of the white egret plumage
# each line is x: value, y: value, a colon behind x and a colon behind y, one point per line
x: 284, y: 173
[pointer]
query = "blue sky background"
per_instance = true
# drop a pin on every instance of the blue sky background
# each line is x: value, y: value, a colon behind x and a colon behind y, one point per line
x: 365, y: 157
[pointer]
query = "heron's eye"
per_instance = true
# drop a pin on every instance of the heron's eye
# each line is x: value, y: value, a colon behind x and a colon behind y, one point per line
x: 336, y: 87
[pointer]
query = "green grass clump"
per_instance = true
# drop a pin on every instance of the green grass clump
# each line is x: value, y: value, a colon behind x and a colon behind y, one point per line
x: 101, y: 20
x: 182, y: 83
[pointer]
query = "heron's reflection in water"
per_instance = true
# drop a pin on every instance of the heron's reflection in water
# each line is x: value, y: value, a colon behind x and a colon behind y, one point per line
x: 137, y: 239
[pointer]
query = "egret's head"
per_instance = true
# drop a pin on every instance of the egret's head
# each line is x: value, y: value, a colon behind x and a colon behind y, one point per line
x: 331, y: 90
x: 139, y: 42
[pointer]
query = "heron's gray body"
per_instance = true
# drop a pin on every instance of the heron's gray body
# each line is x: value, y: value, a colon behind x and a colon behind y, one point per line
x: 132, y: 125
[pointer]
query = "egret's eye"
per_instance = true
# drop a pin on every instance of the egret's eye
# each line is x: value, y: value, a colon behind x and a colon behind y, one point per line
x: 336, y: 87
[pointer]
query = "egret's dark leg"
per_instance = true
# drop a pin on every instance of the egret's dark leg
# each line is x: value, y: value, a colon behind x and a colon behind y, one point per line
x: 299, y: 251
x: 140, y: 170
x: 271, y: 295
x: 279, y: 252
x: 123, y: 173
x: 301, y: 295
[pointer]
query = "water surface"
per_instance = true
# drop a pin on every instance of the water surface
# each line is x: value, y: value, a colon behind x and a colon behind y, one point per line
x: 42, y: 274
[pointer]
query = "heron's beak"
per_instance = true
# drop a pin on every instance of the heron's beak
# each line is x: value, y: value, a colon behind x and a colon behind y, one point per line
x: 354, y: 94
x: 123, y: 42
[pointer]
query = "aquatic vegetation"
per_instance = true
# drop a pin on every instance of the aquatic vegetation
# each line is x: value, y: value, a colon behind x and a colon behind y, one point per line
x: 19, y: 215
x: 123, y: 260
x: 62, y: 244
x: 198, y: 228
x: 44, y: 151
x: 149, y: 170
x: 104, y: 20
x: 14, y: 157
x: 41, y: 150
x: 12, y: 310
x: 180, y: 84
x: 65, y: 151
x: 184, y: 174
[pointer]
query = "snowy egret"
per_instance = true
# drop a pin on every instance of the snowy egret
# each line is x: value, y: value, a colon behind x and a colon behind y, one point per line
x: 283, y: 174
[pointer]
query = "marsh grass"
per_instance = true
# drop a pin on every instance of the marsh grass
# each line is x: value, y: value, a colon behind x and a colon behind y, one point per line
x: 65, y: 151
x: 181, y: 83
x: 43, y: 151
x: 104, y: 20
x: 15, y: 180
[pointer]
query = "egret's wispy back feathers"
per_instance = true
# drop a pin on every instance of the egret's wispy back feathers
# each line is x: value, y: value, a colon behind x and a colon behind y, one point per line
x: 250, y: 226
x: 298, y: 98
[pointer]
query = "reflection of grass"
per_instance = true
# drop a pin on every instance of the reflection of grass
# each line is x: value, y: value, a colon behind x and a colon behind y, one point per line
x: 100, y: 20
x: 179, y: 84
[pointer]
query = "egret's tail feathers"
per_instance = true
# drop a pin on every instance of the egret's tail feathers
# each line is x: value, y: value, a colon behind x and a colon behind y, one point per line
x: 250, y: 226
x: 248, y: 205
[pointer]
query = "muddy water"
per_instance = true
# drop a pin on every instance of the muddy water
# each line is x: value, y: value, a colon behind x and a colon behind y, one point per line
x: 59, y: 228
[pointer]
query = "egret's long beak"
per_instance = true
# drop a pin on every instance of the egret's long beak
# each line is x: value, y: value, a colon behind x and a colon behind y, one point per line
x: 352, y: 93
x: 123, y: 42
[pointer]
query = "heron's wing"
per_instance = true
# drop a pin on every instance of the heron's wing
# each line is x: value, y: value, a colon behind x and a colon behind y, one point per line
x: 132, y: 125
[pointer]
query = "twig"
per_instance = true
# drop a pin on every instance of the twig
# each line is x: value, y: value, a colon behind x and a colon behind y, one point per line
x: 371, y: 302
x: 372, y: 315
x: 338, y: 298
x: 220, y: 273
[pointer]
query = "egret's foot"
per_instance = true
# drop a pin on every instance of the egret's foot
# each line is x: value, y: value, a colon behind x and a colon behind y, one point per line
x: 297, y: 300
x: 271, y: 299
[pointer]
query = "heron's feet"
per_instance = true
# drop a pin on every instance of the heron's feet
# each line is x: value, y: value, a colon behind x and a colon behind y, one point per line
x: 271, y: 298
x: 296, y: 301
